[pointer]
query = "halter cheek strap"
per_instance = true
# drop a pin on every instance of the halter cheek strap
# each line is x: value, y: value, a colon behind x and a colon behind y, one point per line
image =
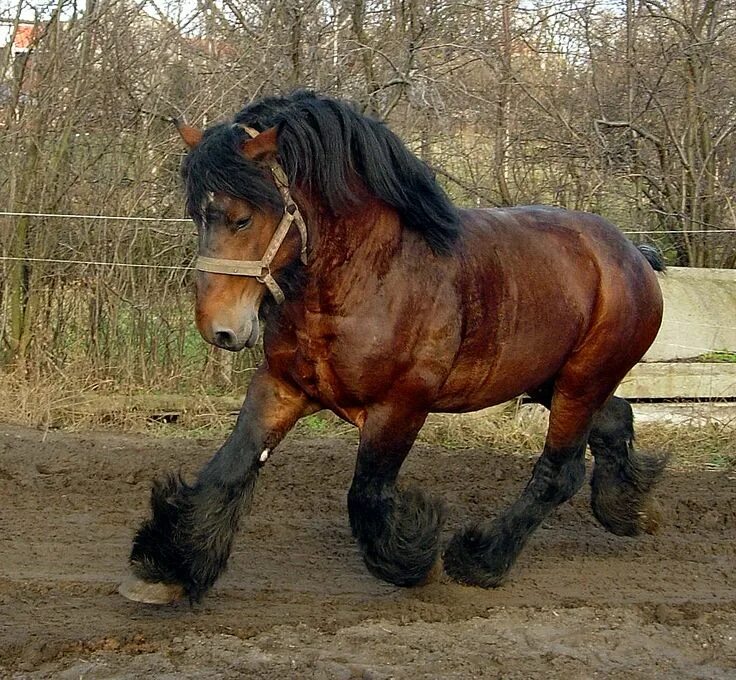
x: 261, y: 269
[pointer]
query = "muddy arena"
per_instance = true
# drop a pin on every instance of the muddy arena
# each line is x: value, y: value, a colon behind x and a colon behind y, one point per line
x: 297, y: 602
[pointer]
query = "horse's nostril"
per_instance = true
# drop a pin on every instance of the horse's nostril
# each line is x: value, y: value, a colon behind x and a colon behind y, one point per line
x: 226, y: 339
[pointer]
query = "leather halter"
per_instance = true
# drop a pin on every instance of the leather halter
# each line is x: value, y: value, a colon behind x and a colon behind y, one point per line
x: 261, y: 269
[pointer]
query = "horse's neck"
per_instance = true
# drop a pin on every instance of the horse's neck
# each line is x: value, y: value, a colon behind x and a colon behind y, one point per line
x: 348, y: 257
x: 364, y: 240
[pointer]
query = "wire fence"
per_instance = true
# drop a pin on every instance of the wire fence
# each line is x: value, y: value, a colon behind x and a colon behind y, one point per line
x: 127, y: 321
x: 124, y: 218
x: 132, y: 265
x: 147, y: 220
x: 133, y: 218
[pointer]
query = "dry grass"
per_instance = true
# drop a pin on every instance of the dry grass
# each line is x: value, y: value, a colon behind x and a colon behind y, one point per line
x: 709, y: 445
x: 74, y: 403
x: 508, y: 428
x: 700, y: 443
x: 51, y: 401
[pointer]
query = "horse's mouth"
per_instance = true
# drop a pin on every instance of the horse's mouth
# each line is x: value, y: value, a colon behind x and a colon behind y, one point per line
x: 254, y: 334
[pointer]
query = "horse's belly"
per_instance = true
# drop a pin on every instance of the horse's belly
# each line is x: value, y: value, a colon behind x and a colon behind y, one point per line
x: 474, y: 391
x: 479, y: 379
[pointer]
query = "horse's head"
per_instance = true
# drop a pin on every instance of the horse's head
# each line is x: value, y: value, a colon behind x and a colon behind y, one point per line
x: 351, y: 170
x: 244, y: 220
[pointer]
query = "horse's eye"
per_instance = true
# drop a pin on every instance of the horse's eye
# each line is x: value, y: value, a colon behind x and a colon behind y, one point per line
x: 243, y: 224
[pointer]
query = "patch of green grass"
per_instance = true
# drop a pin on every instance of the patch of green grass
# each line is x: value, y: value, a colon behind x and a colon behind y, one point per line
x: 718, y: 356
x: 721, y: 461
x: 315, y: 425
x: 324, y: 424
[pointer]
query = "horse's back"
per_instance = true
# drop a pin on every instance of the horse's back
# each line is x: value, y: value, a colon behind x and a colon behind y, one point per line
x: 537, y: 284
x: 565, y: 246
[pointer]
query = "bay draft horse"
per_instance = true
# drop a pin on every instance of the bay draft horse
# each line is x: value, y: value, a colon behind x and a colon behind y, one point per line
x: 383, y: 302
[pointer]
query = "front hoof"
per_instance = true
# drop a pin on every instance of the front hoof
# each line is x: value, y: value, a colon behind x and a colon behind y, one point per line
x: 400, y: 545
x: 472, y: 559
x: 139, y: 590
x: 434, y: 574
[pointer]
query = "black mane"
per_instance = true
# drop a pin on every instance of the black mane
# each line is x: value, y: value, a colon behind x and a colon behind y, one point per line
x: 323, y: 142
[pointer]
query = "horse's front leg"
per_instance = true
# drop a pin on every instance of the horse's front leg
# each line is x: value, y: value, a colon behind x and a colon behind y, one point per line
x: 397, y: 529
x: 184, y: 546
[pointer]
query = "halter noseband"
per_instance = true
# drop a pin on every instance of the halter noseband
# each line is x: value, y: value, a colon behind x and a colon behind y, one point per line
x: 261, y: 269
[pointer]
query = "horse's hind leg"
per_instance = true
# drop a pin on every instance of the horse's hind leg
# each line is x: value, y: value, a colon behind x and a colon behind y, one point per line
x: 483, y: 553
x: 397, y: 529
x: 622, y: 478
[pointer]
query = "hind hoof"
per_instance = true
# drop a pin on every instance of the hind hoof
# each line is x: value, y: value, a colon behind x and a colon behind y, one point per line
x: 138, y: 590
x: 644, y: 520
x: 473, y: 560
x: 650, y: 517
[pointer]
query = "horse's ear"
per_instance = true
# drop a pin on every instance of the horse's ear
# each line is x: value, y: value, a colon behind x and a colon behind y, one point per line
x: 262, y: 146
x: 190, y: 134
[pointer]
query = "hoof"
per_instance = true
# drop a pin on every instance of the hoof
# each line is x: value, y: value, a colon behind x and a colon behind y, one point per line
x: 640, y: 516
x: 650, y: 517
x: 474, y: 559
x: 434, y: 574
x: 151, y: 593
x: 622, y: 498
x: 400, y: 542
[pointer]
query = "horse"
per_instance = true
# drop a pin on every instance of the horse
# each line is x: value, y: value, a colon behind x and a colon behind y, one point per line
x: 383, y: 302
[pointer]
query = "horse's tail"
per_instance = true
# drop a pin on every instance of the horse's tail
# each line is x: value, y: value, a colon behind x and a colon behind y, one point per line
x: 653, y: 256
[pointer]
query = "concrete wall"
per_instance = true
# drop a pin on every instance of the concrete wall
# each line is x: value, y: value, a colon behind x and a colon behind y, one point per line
x: 699, y: 313
x: 699, y: 317
x: 685, y: 380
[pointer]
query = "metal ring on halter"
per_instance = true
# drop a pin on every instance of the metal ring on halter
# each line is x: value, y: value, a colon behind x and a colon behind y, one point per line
x: 266, y: 272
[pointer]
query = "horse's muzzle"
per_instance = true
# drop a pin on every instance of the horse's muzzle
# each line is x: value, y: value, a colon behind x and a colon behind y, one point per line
x: 234, y: 341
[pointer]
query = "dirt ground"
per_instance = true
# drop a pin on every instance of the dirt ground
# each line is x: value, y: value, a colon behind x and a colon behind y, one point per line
x: 297, y: 602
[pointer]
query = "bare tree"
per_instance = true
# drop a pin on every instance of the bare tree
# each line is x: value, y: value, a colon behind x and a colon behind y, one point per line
x: 625, y: 109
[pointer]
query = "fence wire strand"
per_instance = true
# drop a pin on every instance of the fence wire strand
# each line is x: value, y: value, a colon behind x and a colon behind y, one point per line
x: 132, y: 218
x: 100, y: 263
x: 181, y: 220
x: 68, y: 216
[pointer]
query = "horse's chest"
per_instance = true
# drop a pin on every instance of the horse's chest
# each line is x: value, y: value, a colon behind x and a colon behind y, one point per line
x: 313, y: 367
x: 330, y: 365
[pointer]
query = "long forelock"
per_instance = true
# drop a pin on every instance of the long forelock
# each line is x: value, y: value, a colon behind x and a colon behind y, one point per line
x: 218, y: 165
